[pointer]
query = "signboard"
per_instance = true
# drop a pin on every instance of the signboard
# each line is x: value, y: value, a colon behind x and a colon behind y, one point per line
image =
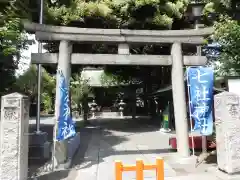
x: 200, y: 82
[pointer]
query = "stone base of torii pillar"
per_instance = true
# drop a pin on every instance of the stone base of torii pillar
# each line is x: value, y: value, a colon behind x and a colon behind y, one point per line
x: 39, y: 147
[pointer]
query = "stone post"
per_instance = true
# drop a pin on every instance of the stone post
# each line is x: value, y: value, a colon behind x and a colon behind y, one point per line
x: 179, y: 101
x: 64, y: 64
x: 14, y: 137
x: 227, y: 120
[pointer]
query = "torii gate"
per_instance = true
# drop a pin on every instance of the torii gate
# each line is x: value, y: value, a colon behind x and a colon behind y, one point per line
x: 123, y: 38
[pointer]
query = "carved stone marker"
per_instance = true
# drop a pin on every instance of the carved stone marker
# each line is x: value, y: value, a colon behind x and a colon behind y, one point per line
x: 14, y: 137
x: 227, y: 120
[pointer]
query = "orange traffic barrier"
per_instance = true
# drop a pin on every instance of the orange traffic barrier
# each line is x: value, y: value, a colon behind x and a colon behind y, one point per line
x: 139, y: 168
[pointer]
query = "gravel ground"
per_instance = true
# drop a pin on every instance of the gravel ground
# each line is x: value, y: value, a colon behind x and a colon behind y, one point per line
x: 39, y: 167
x: 36, y: 166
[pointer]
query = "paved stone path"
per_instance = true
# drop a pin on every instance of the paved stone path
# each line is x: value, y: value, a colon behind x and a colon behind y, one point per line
x: 127, y: 141
x: 121, y: 140
x: 107, y: 140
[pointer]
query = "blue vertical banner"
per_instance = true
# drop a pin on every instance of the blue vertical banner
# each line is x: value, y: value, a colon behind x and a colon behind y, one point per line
x: 200, y: 82
x: 66, y: 126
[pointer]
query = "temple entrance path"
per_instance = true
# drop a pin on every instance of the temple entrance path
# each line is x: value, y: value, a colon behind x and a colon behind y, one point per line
x: 107, y: 140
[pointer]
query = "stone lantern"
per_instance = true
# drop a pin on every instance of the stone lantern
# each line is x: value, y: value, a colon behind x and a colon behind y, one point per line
x: 121, y: 107
x: 197, y: 8
x: 194, y: 12
x: 93, y: 108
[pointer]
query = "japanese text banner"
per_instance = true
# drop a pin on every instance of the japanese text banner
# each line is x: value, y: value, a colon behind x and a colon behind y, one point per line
x: 66, y: 126
x: 200, y: 82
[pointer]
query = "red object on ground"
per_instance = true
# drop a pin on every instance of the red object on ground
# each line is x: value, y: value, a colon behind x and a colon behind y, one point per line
x: 197, y: 143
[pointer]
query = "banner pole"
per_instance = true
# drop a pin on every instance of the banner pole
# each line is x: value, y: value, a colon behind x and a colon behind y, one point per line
x: 56, y: 116
x: 199, y: 53
x: 190, y: 115
x: 55, y: 129
x: 204, y: 138
x: 54, y: 148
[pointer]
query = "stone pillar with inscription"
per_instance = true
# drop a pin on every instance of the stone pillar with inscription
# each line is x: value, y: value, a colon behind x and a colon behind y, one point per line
x: 14, y: 137
x: 227, y: 120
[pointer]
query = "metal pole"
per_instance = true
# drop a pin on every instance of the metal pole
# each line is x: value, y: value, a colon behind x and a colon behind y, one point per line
x: 190, y: 115
x: 204, y: 138
x: 39, y: 74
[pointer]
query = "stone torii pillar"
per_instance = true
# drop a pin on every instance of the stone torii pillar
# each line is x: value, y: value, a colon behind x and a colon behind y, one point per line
x: 64, y: 64
x: 179, y: 101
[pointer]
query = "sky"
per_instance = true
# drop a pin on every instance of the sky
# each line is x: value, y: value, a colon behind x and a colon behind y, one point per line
x: 26, y: 55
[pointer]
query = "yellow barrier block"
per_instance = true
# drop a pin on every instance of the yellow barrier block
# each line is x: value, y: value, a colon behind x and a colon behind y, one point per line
x: 139, y: 168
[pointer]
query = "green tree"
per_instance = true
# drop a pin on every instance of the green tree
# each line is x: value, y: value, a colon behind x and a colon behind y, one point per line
x: 27, y: 84
x: 140, y: 14
x: 227, y: 33
x: 79, y: 89
x: 130, y: 14
x: 12, y: 40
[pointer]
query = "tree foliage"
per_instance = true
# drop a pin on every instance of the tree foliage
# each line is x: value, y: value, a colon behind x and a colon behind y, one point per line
x: 216, y: 6
x: 79, y: 89
x: 139, y: 14
x: 12, y: 35
x: 27, y: 84
x: 227, y: 34
x: 111, y: 80
x: 12, y: 40
x: 130, y: 14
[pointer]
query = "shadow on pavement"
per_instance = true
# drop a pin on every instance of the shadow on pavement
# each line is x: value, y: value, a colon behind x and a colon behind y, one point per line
x: 90, y: 147
x: 57, y: 175
x: 85, y: 137
x: 128, y: 125
x: 98, y: 140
